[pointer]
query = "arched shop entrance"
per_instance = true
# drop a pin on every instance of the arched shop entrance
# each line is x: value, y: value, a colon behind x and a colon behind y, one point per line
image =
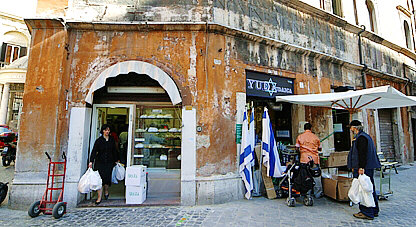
x: 140, y: 103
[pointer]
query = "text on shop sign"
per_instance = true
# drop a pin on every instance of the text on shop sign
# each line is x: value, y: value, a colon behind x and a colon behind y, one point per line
x: 268, y: 86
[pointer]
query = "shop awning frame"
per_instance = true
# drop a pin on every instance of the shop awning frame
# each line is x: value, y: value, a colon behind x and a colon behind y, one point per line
x: 353, y: 101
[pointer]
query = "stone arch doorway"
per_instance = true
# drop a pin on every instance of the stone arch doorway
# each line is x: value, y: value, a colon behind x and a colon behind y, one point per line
x: 145, y: 147
x: 139, y: 67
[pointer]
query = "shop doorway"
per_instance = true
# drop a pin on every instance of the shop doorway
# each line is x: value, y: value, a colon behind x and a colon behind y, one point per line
x: 387, y: 134
x: 280, y: 116
x: 154, y: 130
x: 342, y: 138
x: 119, y: 117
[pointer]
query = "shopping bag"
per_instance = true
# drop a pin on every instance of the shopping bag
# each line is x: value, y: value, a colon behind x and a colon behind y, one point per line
x: 365, y: 183
x: 113, y: 176
x: 84, y: 182
x: 366, y: 191
x: 120, y: 171
x: 96, y: 182
x: 353, y: 193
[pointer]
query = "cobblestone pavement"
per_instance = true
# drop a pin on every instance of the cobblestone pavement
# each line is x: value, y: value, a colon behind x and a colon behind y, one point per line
x: 398, y: 210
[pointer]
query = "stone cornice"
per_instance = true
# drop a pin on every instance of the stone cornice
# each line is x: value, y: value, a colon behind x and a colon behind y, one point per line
x: 405, y: 11
x: 38, y: 23
x: 11, y: 17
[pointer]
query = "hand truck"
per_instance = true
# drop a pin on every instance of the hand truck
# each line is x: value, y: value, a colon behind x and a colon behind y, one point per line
x: 54, y: 185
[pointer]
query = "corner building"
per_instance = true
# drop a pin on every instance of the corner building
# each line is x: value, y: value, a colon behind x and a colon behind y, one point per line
x: 182, y: 67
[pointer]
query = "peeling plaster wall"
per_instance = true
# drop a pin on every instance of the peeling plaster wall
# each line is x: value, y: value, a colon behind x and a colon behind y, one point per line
x: 278, y: 21
x: 43, y: 124
x: 208, y: 68
x: 51, y: 8
x: 133, y: 10
x: 404, y: 146
x: 273, y: 19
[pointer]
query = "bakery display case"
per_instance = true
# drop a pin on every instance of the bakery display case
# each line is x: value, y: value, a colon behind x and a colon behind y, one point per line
x: 157, y: 137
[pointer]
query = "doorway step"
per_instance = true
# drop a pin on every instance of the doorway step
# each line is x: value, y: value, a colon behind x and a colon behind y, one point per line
x: 150, y: 201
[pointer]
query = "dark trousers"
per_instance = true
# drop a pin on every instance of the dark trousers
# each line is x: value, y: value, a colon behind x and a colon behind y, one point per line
x: 369, y: 211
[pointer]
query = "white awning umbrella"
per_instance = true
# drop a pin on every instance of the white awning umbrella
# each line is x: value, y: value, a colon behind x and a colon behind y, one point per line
x: 371, y: 98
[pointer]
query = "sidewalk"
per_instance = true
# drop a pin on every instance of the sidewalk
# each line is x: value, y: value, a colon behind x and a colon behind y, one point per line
x: 398, y: 210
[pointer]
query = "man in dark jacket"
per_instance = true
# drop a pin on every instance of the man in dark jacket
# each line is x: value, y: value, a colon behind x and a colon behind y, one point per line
x: 363, y: 159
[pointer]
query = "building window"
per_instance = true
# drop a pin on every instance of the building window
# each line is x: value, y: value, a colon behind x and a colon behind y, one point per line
x: 371, y: 15
x: 407, y: 36
x: 10, y: 52
x: 337, y: 7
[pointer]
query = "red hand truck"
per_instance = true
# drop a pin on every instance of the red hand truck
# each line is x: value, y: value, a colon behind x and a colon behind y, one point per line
x: 54, y: 185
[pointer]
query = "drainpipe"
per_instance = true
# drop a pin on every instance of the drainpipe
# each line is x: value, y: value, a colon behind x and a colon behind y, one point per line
x: 361, y: 57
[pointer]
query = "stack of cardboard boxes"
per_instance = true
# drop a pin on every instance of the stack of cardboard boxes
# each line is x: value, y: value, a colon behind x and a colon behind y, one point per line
x: 336, y: 186
x: 136, y: 184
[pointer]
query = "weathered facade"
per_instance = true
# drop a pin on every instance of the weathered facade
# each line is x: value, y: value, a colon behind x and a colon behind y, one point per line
x: 206, y: 48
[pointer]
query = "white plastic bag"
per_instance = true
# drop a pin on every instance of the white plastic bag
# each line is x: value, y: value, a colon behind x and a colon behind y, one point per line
x: 113, y: 176
x: 354, y: 192
x: 120, y: 171
x: 84, y: 184
x: 365, y: 183
x: 96, y: 183
x: 366, y: 191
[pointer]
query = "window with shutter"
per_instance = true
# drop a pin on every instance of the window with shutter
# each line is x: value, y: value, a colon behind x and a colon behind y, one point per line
x: 10, y: 53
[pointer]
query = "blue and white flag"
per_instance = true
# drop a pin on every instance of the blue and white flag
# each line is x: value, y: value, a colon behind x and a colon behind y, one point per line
x: 246, y: 158
x: 269, y: 149
x: 252, y: 135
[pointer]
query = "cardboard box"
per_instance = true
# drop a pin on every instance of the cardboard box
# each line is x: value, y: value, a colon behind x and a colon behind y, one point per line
x: 135, y: 194
x: 267, y: 181
x: 335, y: 159
x: 337, y: 187
x: 135, y: 175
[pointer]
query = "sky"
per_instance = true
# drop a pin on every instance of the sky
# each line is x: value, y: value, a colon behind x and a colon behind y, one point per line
x: 21, y: 8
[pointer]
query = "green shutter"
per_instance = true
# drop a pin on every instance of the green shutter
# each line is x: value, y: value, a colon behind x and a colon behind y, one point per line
x: 3, y: 52
x: 23, y: 52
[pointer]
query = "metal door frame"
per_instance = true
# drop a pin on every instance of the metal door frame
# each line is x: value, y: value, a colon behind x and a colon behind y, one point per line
x: 130, y: 107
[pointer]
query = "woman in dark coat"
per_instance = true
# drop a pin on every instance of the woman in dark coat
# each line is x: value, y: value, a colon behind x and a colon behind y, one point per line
x: 104, y: 156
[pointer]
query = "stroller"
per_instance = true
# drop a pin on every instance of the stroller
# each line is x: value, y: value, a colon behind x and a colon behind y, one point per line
x: 298, y: 181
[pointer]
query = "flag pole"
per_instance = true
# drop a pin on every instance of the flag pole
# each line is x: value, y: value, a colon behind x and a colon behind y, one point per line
x: 260, y: 167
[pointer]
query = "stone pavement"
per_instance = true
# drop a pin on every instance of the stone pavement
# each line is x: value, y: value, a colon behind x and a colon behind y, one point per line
x: 398, y: 210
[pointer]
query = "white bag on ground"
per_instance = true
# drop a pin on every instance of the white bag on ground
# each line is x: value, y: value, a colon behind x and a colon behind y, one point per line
x: 120, y: 171
x: 353, y: 193
x: 113, y: 176
x: 84, y: 182
x: 366, y: 191
x: 96, y: 183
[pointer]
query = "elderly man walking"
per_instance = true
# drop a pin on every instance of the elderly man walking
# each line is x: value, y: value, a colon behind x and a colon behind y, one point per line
x: 363, y: 159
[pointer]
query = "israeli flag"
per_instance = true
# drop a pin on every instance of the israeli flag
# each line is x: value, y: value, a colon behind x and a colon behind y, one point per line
x: 252, y: 135
x: 246, y: 158
x: 269, y: 149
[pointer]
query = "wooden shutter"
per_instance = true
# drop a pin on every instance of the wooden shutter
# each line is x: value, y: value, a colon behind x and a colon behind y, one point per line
x: 386, y: 133
x: 3, y: 52
x: 23, y: 51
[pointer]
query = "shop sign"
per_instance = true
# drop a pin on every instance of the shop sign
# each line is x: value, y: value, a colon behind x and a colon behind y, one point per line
x: 267, y: 86
x: 238, y: 133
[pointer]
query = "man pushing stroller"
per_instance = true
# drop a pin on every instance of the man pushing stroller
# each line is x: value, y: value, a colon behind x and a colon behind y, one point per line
x: 309, y: 145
